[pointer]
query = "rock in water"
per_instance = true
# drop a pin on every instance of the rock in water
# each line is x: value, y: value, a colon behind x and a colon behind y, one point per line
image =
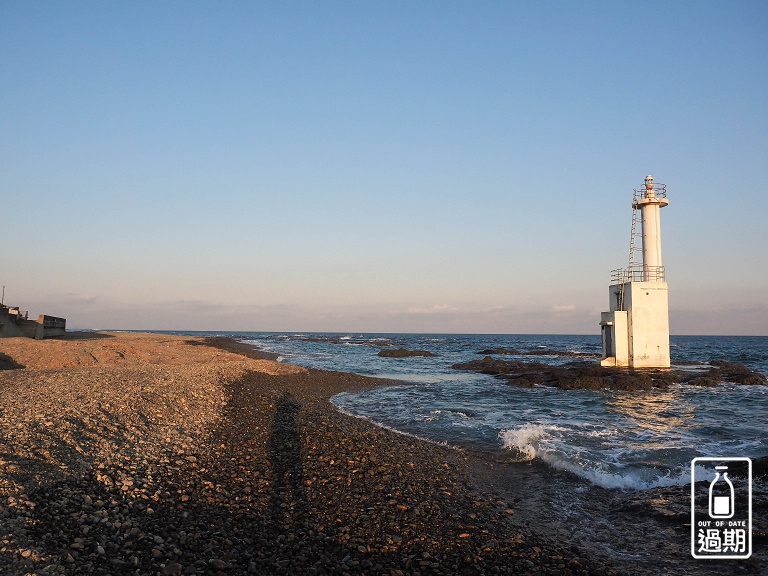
x: 592, y: 376
x: 403, y: 353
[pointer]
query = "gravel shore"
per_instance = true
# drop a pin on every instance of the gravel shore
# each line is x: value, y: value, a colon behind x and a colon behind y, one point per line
x: 153, y: 454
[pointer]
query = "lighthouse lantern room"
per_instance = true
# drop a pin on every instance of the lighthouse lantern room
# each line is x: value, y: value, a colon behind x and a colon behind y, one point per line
x: 635, y: 332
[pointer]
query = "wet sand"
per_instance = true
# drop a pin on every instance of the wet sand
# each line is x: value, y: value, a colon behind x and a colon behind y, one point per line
x: 154, y: 454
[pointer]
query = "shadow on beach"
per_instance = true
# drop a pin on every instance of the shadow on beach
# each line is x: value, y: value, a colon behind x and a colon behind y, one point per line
x: 284, y: 453
x: 85, y: 335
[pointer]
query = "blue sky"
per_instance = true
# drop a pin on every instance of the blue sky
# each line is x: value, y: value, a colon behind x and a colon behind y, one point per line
x: 379, y: 166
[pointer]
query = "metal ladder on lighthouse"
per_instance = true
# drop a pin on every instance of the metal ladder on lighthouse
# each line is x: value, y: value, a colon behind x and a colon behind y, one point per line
x: 633, y: 249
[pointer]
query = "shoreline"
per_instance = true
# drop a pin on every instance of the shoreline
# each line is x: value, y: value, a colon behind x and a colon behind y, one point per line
x: 577, y: 511
x: 228, y: 462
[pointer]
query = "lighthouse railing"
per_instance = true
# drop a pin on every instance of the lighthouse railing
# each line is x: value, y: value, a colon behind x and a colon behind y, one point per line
x: 638, y: 273
x: 658, y: 191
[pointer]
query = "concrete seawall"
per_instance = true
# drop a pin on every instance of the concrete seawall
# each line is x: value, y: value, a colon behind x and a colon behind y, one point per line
x: 14, y: 324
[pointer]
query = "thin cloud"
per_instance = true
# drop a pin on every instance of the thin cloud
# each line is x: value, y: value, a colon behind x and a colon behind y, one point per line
x: 436, y: 309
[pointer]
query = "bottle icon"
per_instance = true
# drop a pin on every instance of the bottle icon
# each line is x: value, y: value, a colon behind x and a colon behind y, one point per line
x: 721, y: 494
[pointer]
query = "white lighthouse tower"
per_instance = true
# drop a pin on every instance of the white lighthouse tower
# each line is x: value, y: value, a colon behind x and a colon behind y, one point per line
x: 636, y: 330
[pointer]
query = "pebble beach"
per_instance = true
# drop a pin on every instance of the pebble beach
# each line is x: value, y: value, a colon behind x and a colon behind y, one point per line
x: 126, y: 453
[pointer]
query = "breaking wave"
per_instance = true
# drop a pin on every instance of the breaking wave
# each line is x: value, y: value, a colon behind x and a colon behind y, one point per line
x: 528, y: 441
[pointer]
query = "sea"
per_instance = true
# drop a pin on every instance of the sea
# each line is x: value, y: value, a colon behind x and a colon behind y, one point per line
x: 613, y: 439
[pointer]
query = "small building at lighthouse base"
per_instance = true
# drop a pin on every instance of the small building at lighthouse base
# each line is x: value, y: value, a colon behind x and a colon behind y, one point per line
x: 635, y: 332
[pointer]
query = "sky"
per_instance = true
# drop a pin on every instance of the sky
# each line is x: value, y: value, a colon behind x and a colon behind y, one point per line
x: 362, y: 166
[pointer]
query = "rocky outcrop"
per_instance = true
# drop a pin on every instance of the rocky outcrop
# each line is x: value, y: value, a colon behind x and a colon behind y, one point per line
x: 540, y: 352
x: 591, y: 376
x: 403, y: 353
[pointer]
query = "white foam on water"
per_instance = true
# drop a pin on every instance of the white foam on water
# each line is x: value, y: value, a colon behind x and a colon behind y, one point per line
x: 526, y: 440
x: 631, y: 479
x: 545, y: 443
x: 604, y: 433
x: 610, y: 439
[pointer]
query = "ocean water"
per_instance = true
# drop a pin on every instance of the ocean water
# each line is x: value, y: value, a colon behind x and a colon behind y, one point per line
x: 614, y: 439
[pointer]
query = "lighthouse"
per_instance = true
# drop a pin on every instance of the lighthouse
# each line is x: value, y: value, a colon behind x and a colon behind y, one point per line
x: 635, y: 331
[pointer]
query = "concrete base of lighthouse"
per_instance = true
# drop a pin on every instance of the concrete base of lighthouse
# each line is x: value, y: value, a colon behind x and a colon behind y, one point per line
x: 635, y: 331
x: 613, y: 327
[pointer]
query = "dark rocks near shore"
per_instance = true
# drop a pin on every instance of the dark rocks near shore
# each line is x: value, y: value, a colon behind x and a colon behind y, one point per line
x: 236, y: 346
x: 591, y: 376
x: 403, y: 353
x: 539, y: 352
x: 738, y: 373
